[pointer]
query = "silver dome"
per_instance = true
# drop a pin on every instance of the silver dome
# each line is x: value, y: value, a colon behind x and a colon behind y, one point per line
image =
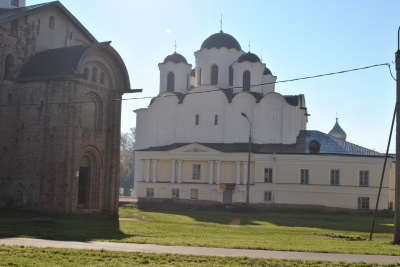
x: 337, y: 131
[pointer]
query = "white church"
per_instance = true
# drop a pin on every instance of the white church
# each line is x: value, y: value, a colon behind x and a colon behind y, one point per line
x: 192, y: 139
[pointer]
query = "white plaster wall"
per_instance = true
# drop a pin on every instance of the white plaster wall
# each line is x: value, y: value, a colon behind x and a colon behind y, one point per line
x: 181, y: 72
x: 7, y: 4
x: 166, y: 122
x: 256, y: 75
x: 268, y: 88
x: 59, y: 36
x: 221, y: 57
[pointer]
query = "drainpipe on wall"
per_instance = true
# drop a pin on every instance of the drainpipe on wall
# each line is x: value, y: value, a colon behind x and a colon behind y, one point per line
x: 274, y: 177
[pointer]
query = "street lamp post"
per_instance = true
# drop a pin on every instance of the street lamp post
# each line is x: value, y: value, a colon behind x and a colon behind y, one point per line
x: 397, y: 175
x: 248, y: 164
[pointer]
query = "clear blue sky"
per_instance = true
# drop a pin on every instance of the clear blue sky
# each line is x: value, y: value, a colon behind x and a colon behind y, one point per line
x: 295, y: 39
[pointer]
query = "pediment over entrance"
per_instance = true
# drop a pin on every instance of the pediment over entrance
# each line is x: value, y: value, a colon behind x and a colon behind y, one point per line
x: 195, y: 149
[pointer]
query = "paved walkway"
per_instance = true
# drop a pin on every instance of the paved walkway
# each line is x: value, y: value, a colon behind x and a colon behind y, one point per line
x: 131, y: 247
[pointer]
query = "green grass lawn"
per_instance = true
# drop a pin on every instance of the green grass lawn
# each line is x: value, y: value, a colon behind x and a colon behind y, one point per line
x: 31, y: 256
x: 263, y: 229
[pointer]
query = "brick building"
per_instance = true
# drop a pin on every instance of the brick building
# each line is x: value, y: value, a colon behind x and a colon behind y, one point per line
x: 59, y: 118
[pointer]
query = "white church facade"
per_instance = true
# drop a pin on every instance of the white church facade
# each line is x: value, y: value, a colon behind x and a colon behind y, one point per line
x: 192, y: 140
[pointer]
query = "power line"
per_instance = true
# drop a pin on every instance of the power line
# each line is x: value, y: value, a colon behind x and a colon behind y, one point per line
x: 214, y: 90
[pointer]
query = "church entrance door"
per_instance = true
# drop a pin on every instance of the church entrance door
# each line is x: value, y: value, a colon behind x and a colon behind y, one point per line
x: 227, y: 196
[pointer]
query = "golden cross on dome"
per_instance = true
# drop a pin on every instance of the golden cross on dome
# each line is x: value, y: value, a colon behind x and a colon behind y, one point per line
x: 175, y: 46
x: 221, y: 22
x: 249, y: 45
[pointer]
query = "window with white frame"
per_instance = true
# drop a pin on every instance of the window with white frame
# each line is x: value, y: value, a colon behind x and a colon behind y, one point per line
x: 335, y: 177
x: 267, y: 195
x: 149, y: 192
x: 268, y: 175
x: 363, y: 178
x: 304, y: 176
x: 363, y: 203
x: 175, y: 192
x: 194, y: 194
x: 196, y: 171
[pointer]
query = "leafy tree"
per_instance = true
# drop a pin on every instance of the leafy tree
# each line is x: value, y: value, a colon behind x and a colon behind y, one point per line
x: 127, y: 160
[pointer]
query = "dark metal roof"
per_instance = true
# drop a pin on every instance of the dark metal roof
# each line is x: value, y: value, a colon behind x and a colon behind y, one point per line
x: 248, y: 57
x: 219, y: 40
x: 292, y: 100
x: 176, y: 58
x: 54, y: 62
x: 15, y: 13
x: 329, y: 146
x: 267, y: 71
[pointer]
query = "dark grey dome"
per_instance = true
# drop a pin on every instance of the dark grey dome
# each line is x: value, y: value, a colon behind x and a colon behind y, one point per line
x: 176, y: 58
x: 337, y: 131
x: 219, y: 40
x: 267, y: 71
x: 248, y: 57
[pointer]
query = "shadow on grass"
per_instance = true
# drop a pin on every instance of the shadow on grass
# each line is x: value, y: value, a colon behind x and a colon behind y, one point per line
x: 15, y: 223
x: 309, y: 218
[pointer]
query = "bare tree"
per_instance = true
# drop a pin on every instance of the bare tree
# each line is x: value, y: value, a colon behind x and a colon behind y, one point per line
x: 127, y: 160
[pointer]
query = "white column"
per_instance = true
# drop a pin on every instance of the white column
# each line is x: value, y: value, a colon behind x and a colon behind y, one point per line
x: 218, y: 172
x: 238, y: 171
x: 154, y: 170
x: 211, y: 181
x: 173, y: 172
x: 244, y: 172
x: 148, y: 171
x: 180, y: 171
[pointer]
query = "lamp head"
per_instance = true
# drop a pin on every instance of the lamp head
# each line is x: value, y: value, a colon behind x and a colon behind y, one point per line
x: 244, y: 114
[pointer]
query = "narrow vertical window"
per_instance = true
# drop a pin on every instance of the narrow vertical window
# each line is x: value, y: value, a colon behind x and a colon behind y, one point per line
x: 214, y: 75
x: 170, y: 82
x: 267, y: 196
x: 187, y: 82
x: 197, y: 120
x: 194, y: 194
x: 196, y: 171
x: 102, y: 78
x: 70, y: 36
x: 335, y: 177
x: 216, y: 120
x: 246, y: 80
x: 86, y: 72
x: 304, y: 176
x: 51, y: 22
x: 268, y: 175
x: 14, y: 27
x: 363, y: 178
x: 230, y: 76
x: 199, y: 78
x: 9, y: 67
x: 94, y: 75
x: 175, y: 192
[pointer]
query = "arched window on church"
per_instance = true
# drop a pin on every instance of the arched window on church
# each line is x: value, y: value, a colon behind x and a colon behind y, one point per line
x: 91, y: 112
x: 216, y: 120
x: 14, y: 27
x: 94, y: 74
x: 199, y: 78
x: 214, y: 75
x: 9, y: 67
x: 102, y: 77
x: 86, y: 72
x: 230, y: 75
x: 246, y: 80
x: 197, y: 120
x: 170, y: 82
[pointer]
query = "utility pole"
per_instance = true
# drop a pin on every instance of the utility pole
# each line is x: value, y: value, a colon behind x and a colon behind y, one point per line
x: 396, y: 239
x: 248, y: 164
